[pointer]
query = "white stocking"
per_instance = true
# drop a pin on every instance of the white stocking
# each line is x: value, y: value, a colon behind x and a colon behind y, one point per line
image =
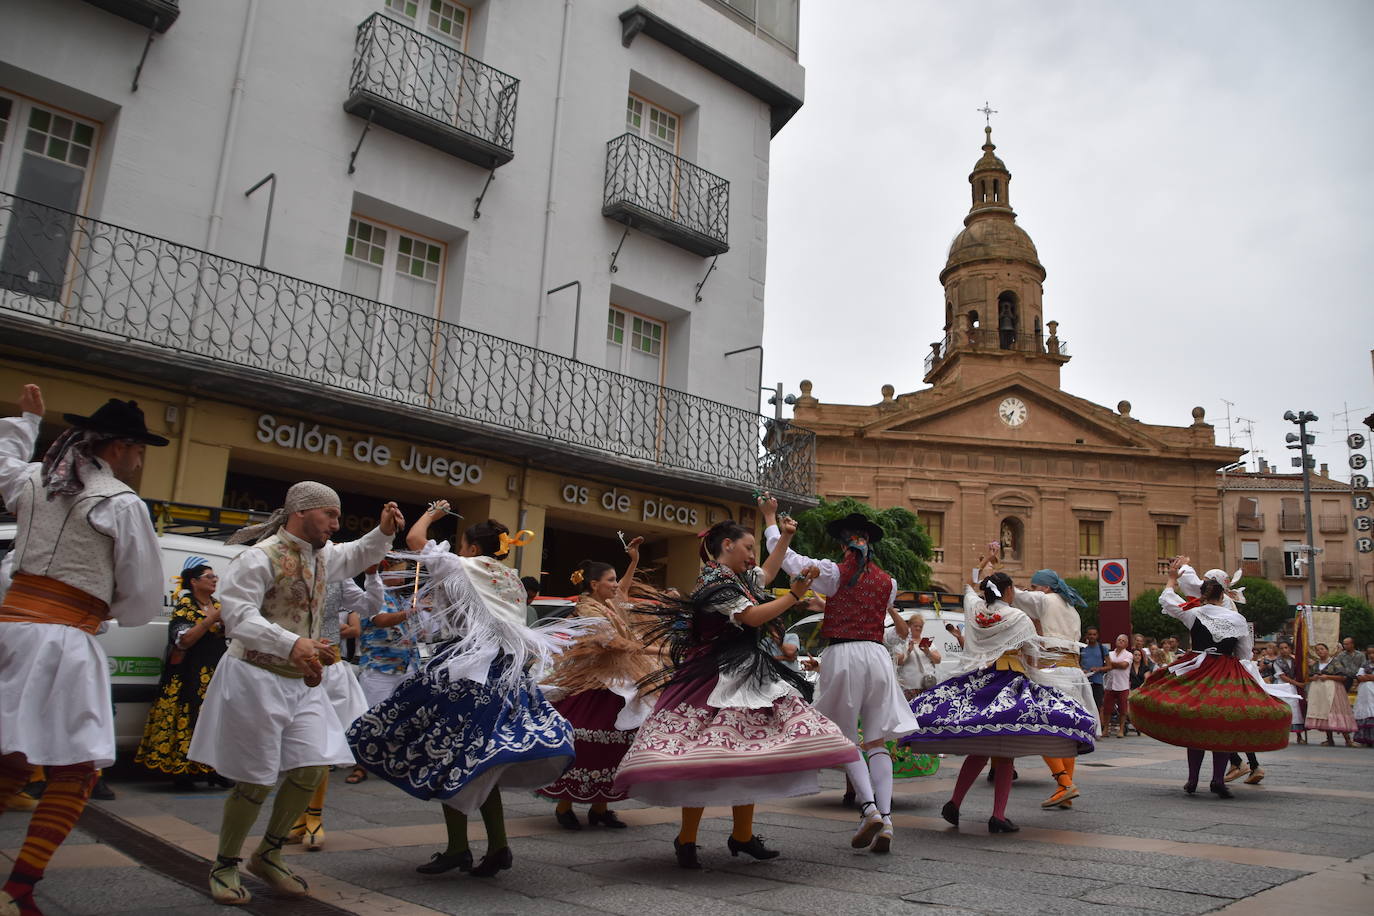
x: 858, y: 778
x: 880, y: 773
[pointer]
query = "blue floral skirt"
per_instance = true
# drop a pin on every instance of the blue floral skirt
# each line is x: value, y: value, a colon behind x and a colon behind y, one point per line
x: 455, y: 740
x: 1000, y: 713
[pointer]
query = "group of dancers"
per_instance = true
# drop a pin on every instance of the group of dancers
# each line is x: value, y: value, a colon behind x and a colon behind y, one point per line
x: 647, y: 694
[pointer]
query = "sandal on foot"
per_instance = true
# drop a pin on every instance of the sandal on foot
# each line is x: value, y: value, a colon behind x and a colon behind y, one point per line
x: 225, y: 886
x: 358, y: 775
x: 275, y: 874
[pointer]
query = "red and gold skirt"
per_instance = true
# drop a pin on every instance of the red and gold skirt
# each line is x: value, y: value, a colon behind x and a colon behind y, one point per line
x: 1217, y: 706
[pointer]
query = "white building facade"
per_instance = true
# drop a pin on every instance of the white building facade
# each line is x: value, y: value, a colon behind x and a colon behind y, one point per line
x: 529, y: 228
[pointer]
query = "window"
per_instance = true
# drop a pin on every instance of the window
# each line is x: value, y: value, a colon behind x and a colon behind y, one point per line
x: 1293, y: 593
x: 1294, y: 566
x: 934, y: 524
x: 634, y: 345
x: 392, y: 266
x: 1166, y: 541
x: 447, y: 21
x: 657, y: 125
x: 1089, y: 538
x: 1250, y: 550
x: 45, y: 156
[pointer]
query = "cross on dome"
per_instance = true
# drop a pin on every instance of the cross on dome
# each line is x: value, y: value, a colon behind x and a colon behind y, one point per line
x: 987, y: 111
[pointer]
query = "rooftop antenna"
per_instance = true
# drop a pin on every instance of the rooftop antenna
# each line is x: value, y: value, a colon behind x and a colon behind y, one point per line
x: 1230, y: 434
x: 1248, y: 430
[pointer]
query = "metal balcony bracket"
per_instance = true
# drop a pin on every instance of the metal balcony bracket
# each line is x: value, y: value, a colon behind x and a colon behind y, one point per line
x: 707, y: 277
x: 477, y: 207
x: 146, y: 45
x: 361, y: 137
x: 615, y: 254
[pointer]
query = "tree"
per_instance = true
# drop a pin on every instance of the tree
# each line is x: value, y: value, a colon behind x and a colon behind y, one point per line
x: 904, y: 552
x: 1087, y: 587
x: 1265, y: 606
x: 1357, y: 617
x: 1147, y: 618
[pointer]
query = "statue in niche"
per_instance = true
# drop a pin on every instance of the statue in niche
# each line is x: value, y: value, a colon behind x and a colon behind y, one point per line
x: 1010, y: 539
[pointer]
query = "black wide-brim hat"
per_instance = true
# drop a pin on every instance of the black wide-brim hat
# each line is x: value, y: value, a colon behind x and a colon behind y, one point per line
x: 854, y: 523
x: 122, y: 419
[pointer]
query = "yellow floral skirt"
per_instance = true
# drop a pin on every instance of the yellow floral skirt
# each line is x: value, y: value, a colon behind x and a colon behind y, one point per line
x: 167, y: 736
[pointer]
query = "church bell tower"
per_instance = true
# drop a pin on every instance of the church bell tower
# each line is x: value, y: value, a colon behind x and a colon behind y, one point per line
x: 993, y: 283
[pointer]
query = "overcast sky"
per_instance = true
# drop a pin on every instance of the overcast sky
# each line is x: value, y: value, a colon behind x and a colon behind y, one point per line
x: 1195, y: 175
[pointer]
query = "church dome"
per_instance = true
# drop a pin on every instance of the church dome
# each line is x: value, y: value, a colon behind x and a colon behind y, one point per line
x: 992, y: 238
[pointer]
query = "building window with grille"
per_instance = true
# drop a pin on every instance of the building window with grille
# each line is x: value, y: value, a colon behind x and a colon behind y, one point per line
x: 1166, y: 541
x: 393, y: 266
x: 45, y: 157
x: 635, y: 345
x: 438, y: 18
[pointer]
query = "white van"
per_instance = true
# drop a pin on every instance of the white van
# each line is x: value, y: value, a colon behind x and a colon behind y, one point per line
x: 136, y: 654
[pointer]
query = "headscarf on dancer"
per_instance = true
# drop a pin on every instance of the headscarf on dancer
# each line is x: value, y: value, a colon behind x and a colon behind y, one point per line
x: 302, y: 497
x: 1052, y: 580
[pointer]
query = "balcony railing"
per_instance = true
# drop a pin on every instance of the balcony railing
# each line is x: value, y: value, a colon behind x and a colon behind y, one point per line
x: 1292, y: 521
x: 1336, y: 571
x: 423, y: 89
x: 157, y: 15
x: 1162, y: 567
x: 650, y: 189
x: 989, y: 339
x: 1332, y: 524
x: 111, y: 284
x: 937, y: 555
x: 1251, y: 568
x: 1250, y: 522
x: 1087, y: 565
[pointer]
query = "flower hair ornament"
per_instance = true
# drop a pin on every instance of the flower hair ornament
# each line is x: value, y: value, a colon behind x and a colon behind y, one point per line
x: 992, y: 587
x: 576, y: 577
x: 522, y: 538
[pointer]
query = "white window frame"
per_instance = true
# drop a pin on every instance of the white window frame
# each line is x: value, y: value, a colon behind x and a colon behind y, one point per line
x: 16, y: 135
x: 1291, y: 553
x: 632, y: 324
x: 420, y: 20
x: 648, y: 112
x: 391, y: 255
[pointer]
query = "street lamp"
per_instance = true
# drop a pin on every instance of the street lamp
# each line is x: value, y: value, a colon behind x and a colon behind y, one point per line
x: 1301, y: 440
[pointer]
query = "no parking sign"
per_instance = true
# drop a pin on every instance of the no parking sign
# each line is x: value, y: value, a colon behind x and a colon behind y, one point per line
x: 1112, y: 581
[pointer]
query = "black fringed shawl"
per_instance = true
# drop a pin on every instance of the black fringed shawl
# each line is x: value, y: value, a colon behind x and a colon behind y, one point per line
x: 699, y: 641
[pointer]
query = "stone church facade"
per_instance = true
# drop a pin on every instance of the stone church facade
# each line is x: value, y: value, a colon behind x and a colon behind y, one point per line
x: 994, y: 449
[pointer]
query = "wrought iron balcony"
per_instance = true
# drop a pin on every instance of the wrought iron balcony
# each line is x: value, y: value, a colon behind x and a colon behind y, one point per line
x: 1332, y: 524
x: 1336, y: 571
x: 990, y: 339
x: 157, y: 15
x: 72, y: 285
x: 1292, y: 521
x: 1254, y: 522
x: 421, y: 88
x: 650, y: 189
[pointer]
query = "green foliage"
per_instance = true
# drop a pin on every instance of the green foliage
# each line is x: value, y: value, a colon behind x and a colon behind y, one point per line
x: 1357, y: 618
x: 1087, y: 587
x: 1265, y: 605
x: 904, y: 552
x: 1147, y: 618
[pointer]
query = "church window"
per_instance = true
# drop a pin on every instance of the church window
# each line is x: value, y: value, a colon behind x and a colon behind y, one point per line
x: 934, y: 524
x: 1166, y: 541
x: 996, y: 191
x: 1089, y: 538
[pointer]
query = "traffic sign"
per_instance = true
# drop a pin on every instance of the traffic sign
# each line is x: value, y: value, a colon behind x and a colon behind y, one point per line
x: 1112, y: 581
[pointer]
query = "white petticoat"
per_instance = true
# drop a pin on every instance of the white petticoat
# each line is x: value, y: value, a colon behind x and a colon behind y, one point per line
x: 858, y: 681
x: 54, y: 695
x: 256, y: 725
x: 1067, y: 678
x: 341, y: 684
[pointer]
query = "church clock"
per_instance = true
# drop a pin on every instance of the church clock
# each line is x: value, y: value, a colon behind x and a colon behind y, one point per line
x: 1012, y: 411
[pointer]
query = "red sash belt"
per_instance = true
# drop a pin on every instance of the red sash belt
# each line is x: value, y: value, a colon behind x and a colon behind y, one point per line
x: 39, y: 599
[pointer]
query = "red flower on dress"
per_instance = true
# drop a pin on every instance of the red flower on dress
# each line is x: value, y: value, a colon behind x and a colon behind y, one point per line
x: 985, y: 619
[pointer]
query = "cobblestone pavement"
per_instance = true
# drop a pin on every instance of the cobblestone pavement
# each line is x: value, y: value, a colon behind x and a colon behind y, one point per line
x: 1133, y: 844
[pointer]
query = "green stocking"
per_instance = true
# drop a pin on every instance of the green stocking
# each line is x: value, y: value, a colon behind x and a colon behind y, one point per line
x: 240, y: 812
x: 494, y: 819
x: 292, y: 797
x: 456, y: 822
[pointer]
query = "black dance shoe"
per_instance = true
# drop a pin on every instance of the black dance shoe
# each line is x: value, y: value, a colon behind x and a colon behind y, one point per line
x: 1221, y: 790
x: 441, y: 862
x: 1001, y: 825
x: 1190, y: 786
x: 568, y: 819
x: 950, y: 812
x: 493, y: 862
x: 754, y: 848
x: 686, y: 854
x: 605, y: 819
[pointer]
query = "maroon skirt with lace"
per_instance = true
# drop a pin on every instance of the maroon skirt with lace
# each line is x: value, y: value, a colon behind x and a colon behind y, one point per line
x: 599, y: 747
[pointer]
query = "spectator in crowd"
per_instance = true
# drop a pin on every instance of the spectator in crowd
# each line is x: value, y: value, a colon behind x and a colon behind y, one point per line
x: 913, y: 655
x: 1328, y: 706
x: 1364, y: 699
x: 1116, y: 686
x: 1093, y: 660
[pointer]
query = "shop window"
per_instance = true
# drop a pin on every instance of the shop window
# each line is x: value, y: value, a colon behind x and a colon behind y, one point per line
x: 1166, y: 541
